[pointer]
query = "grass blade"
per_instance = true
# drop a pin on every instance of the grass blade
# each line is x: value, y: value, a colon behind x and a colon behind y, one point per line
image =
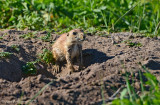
x: 124, y: 14
x: 39, y: 92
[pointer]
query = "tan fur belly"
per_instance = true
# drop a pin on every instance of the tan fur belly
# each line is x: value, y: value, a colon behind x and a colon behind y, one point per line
x: 75, y: 51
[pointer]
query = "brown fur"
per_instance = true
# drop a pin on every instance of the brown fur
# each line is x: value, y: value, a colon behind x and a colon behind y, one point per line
x: 68, y: 46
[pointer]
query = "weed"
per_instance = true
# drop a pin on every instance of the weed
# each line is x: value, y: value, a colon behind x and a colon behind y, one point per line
x: 29, y: 68
x: 28, y: 36
x: 46, y: 38
x: 46, y: 56
x: 5, y: 54
x: 63, y: 31
x: 15, y: 48
x: 132, y: 44
x: 1, y: 37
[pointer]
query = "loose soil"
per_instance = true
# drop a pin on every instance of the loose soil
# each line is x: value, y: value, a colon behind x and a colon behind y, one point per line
x: 106, y: 61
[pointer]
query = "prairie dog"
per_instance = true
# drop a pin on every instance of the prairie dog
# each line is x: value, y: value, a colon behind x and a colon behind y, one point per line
x: 68, y: 46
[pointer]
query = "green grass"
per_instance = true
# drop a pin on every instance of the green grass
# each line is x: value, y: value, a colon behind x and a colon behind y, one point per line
x: 15, y: 48
x: 150, y: 35
x: 92, y: 15
x: 147, y: 97
x: 1, y: 37
x: 5, y: 54
x: 46, y: 38
x: 28, y: 36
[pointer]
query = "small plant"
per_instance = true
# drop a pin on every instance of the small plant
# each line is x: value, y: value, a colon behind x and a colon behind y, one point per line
x: 1, y: 37
x: 132, y: 44
x: 29, y: 68
x: 150, y: 35
x: 5, y: 54
x: 46, y: 56
x: 15, y: 48
x: 28, y: 36
x: 46, y: 38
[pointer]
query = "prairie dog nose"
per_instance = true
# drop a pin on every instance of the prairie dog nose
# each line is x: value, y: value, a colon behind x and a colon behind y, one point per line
x: 83, y: 37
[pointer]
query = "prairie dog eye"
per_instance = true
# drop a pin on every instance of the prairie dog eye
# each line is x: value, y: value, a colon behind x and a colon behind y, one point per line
x: 74, y: 33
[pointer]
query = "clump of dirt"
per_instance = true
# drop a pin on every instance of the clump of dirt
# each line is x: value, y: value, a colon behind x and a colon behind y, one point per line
x: 105, y: 60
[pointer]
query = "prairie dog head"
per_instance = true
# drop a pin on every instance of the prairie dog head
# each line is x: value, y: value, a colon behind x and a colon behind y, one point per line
x: 76, y: 35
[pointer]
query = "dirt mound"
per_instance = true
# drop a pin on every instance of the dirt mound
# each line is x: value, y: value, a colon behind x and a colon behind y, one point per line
x: 105, y: 60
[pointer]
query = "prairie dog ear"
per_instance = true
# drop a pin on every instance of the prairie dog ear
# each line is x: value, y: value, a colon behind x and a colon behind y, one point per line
x: 67, y: 34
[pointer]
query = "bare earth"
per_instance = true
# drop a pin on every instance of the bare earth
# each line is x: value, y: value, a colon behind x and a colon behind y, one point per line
x: 105, y: 63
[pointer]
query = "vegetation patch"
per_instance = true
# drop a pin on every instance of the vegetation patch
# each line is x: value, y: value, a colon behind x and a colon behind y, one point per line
x: 28, y: 36
x: 132, y: 44
x: 46, y: 57
x: 150, y: 35
x: 46, y: 38
x: 109, y: 15
x: 15, y: 48
x: 129, y: 96
x: 1, y: 37
x: 30, y: 68
x: 5, y: 54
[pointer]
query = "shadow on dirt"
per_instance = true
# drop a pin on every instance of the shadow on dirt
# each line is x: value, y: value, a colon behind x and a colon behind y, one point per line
x: 92, y: 56
x: 11, y: 67
x: 43, y: 70
x: 153, y: 65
